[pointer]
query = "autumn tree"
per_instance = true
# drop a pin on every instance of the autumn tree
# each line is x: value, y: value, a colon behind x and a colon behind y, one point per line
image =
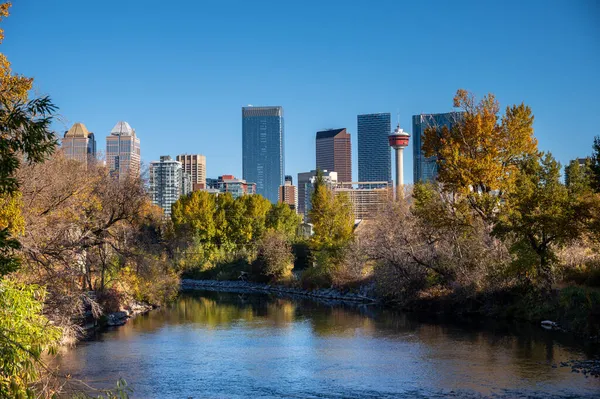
x: 540, y: 215
x: 25, y: 333
x: 478, y: 157
x: 333, y: 224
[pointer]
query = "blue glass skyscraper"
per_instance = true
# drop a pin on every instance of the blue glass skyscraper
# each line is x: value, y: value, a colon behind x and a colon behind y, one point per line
x: 374, y: 154
x: 262, y: 149
x: 424, y: 168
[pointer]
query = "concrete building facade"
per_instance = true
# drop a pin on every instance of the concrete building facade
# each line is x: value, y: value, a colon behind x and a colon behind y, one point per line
x: 195, y: 166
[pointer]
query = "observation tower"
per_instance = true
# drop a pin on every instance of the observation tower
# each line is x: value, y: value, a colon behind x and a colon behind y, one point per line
x: 398, y: 141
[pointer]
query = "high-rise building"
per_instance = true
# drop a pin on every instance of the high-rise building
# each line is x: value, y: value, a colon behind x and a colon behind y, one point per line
x: 187, y: 186
x: 262, y: 149
x: 166, y: 182
x: 195, y: 166
x: 123, y: 151
x: 334, y: 153
x: 288, y: 194
x: 425, y: 168
x: 374, y: 154
x: 79, y: 144
x: 303, y: 180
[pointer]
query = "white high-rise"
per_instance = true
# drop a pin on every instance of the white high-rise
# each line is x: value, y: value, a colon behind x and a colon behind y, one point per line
x: 123, y: 151
x: 168, y: 182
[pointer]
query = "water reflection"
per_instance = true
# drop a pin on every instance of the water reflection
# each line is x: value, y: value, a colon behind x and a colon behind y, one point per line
x: 228, y: 345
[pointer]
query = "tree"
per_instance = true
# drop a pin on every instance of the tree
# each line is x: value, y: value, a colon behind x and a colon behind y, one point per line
x: 540, y: 215
x: 283, y: 219
x: 24, y: 332
x: 578, y: 178
x: 479, y: 156
x: 595, y: 164
x: 333, y: 224
x: 24, y: 336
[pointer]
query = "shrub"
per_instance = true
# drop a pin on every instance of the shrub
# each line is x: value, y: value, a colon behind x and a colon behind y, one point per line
x: 580, y: 309
x: 316, y: 277
x: 275, y: 260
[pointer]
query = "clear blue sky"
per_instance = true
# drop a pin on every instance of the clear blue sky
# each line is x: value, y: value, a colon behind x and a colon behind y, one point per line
x: 180, y: 71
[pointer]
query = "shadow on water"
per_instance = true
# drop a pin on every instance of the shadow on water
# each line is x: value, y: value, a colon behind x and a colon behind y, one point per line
x: 214, y: 344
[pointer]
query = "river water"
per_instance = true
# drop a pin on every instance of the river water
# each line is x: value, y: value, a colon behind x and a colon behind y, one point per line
x: 222, y: 345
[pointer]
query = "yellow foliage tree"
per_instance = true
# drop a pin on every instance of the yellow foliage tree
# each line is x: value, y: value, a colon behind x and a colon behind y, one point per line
x: 479, y: 156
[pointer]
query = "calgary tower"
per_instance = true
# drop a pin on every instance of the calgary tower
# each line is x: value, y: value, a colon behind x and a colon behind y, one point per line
x: 398, y: 141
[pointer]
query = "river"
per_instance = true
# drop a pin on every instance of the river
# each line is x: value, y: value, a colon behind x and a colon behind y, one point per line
x: 223, y: 345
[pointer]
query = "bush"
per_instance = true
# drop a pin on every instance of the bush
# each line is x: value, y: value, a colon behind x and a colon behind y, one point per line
x: 586, y: 274
x: 275, y: 260
x: 316, y: 277
x: 153, y: 285
x: 580, y: 310
x: 110, y: 299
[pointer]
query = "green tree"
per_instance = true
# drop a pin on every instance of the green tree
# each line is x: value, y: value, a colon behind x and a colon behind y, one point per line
x: 479, y: 156
x: 25, y: 334
x: 595, y: 164
x: 578, y: 178
x: 283, y: 219
x: 540, y: 215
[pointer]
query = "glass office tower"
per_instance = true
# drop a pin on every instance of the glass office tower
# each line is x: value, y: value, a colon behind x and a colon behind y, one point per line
x: 425, y: 168
x: 374, y: 154
x: 262, y: 149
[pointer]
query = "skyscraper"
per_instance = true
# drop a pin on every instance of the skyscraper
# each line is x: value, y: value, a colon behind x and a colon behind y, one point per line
x: 123, y: 151
x: 166, y: 182
x: 334, y: 153
x: 424, y: 168
x: 374, y: 154
x: 79, y: 144
x: 195, y: 165
x: 303, y: 180
x: 262, y: 149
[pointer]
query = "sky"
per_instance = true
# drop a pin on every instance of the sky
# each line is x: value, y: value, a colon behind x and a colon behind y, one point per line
x: 180, y: 71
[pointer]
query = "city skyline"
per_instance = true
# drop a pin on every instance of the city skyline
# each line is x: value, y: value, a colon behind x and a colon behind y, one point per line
x: 552, y: 70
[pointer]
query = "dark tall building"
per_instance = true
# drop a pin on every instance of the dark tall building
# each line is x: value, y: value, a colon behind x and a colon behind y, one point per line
x: 374, y: 154
x: 334, y: 153
x: 424, y: 168
x: 262, y: 149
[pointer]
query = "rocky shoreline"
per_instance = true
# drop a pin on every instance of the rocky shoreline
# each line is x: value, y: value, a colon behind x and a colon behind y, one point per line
x: 115, y: 319
x: 364, y: 295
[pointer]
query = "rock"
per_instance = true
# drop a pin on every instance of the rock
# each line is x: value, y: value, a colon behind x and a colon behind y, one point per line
x: 113, y: 319
x: 549, y: 325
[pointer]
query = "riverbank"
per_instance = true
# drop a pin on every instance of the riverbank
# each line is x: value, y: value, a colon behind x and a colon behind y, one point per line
x: 567, y: 309
x: 364, y: 295
x: 115, y: 319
